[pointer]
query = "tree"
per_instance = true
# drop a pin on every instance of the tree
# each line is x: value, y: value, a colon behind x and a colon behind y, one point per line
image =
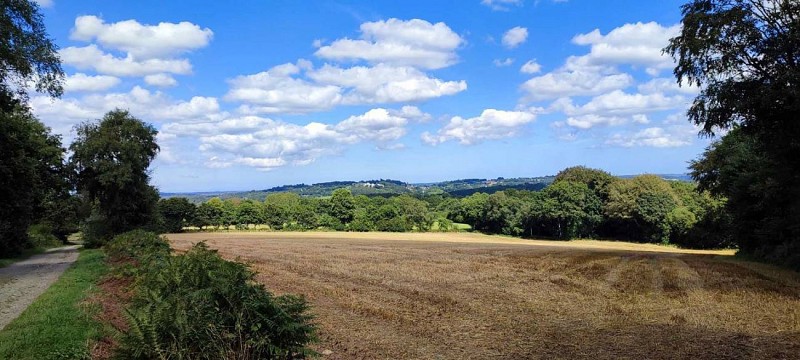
x: 32, y: 176
x: 597, y: 180
x: 414, y: 212
x: 342, y: 205
x: 26, y: 54
x: 176, y: 213
x: 564, y: 210
x: 637, y: 208
x: 249, y: 213
x: 651, y: 215
x: 30, y: 162
x: 110, y: 159
x: 210, y: 212
x: 745, y: 56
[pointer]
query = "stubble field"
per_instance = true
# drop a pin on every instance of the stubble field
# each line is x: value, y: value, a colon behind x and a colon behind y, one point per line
x: 470, y: 296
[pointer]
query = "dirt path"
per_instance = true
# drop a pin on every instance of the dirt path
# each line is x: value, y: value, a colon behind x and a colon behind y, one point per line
x: 22, y: 282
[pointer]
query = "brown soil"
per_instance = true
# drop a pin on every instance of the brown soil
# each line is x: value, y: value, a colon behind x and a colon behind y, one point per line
x: 457, y: 296
x: 114, y: 295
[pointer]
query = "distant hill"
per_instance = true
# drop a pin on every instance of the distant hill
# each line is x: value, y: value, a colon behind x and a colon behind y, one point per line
x: 387, y: 187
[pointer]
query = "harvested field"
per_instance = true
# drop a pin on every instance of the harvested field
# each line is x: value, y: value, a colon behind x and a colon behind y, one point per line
x: 457, y: 296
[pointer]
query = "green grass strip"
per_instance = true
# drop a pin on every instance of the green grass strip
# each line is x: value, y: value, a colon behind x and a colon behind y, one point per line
x: 58, y: 325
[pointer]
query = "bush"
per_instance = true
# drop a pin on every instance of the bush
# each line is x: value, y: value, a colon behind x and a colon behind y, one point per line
x: 41, y: 236
x: 200, y: 306
x: 96, y: 231
x: 137, y: 246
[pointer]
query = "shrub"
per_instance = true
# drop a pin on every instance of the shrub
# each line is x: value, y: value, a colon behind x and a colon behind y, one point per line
x: 41, y: 236
x: 200, y: 306
x: 137, y: 246
x: 95, y: 231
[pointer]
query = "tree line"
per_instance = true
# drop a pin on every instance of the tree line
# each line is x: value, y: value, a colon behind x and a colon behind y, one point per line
x: 581, y: 203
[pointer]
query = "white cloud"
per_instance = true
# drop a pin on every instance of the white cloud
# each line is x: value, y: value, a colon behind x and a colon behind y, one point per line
x: 375, y: 125
x: 655, y: 137
x: 665, y: 85
x: 283, y: 88
x: 591, y: 120
x: 503, y: 63
x: 267, y: 144
x: 531, y: 67
x: 62, y: 114
x: 160, y: 80
x: 397, y: 42
x: 276, y: 90
x: 490, y: 125
x: 634, y: 44
x: 82, y: 82
x: 142, y: 41
x: 574, y: 83
x: 597, y: 72
x: 501, y: 5
x: 91, y: 57
x: 515, y: 37
x: 621, y: 103
x: 385, y: 84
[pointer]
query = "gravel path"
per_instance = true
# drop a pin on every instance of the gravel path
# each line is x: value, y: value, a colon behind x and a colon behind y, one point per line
x: 22, y: 282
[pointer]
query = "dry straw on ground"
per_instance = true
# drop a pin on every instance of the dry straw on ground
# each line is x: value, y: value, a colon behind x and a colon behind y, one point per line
x: 459, y: 296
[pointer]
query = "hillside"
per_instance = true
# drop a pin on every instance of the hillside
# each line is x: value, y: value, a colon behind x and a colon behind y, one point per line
x: 387, y: 187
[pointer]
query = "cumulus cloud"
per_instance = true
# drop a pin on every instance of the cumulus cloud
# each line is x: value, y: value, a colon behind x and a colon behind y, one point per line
x: 515, y: 36
x: 82, y: 82
x: 398, y: 42
x: 621, y: 103
x: 266, y: 144
x: 531, y: 67
x: 277, y: 90
x: 160, y: 80
x: 91, y: 57
x: 503, y: 63
x: 299, y: 88
x: 665, y: 85
x: 62, y: 114
x: 142, y: 41
x: 589, y: 121
x: 131, y: 49
x: 501, y: 5
x: 598, y: 71
x: 574, y: 83
x: 658, y: 137
x: 490, y: 125
x: 635, y: 44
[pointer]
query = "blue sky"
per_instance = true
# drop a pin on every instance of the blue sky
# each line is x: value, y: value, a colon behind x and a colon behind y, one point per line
x: 266, y: 93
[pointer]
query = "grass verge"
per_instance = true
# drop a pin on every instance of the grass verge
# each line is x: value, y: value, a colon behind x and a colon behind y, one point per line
x: 58, y: 325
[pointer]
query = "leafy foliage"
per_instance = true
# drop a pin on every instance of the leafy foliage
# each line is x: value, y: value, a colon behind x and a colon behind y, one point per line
x: 33, y: 177
x: 175, y: 213
x: 745, y: 55
x: 110, y: 159
x: 27, y: 54
x: 200, y: 306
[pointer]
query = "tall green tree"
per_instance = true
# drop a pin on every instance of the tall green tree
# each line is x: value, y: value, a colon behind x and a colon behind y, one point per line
x: 745, y: 56
x: 111, y: 159
x: 27, y: 54
x: 175, y: 213
x: 32, y: 177
x: 342, y: 205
